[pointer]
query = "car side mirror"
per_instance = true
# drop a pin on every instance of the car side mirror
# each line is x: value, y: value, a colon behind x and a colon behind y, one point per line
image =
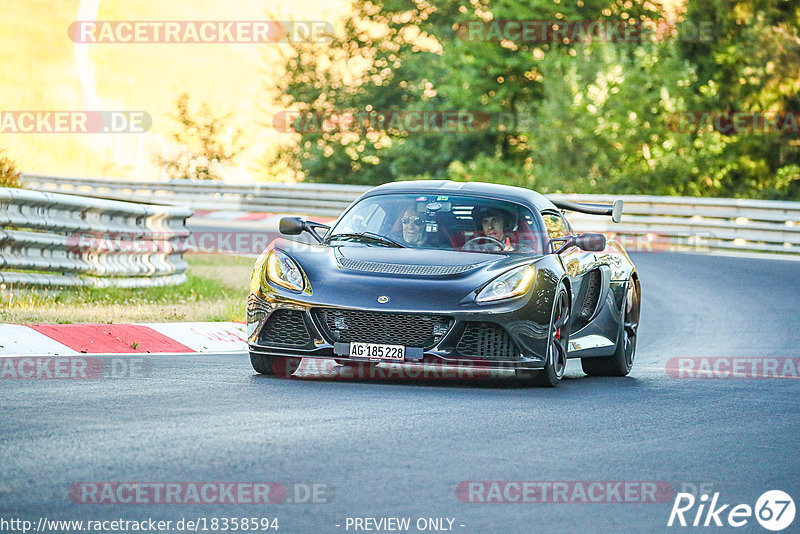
x: 591, y: 242
x: 291, y: 226
x: 586, y: 242
x: 296, y: 226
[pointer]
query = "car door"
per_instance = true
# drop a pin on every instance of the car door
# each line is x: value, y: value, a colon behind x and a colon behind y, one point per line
x: 576, y: 262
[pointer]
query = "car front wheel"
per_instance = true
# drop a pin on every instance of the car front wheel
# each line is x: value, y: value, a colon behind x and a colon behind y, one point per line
x: 557, y: 345
x: 274, y: 365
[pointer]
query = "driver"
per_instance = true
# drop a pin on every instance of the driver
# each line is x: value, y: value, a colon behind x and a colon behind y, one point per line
x: 493, y: 233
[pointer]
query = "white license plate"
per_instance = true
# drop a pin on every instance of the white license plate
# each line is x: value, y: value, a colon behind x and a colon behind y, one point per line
x: 376, y: 352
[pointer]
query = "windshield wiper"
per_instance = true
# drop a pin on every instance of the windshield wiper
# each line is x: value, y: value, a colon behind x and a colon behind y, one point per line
x: 369, y: 236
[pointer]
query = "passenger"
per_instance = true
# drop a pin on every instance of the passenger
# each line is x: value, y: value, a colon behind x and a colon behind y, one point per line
x: 414, y: 234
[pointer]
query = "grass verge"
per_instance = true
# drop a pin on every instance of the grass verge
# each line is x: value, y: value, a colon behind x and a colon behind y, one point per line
x: 215, y: 290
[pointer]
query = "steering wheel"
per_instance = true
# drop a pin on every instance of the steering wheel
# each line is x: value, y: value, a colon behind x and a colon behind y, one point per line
x: 488, y: 241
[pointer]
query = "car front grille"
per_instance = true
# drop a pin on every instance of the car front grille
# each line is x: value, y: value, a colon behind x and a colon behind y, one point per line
x: 287, y: 328
x: 487, y: 341
x: 401, y: 268
x: 411, y: 330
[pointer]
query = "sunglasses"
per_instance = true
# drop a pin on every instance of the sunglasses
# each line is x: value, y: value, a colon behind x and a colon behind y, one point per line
x: 416, y: 220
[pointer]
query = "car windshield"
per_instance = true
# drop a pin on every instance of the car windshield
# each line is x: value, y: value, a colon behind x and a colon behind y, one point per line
x: 445, y: 222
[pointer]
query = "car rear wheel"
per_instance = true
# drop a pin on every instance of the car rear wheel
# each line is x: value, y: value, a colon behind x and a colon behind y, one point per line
x: 557, y: 345
x: 274, y: 365
x: 621, y: 362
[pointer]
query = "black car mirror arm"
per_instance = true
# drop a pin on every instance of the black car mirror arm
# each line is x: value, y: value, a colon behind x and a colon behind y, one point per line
x: 311, y: 228
x: 568, y: 241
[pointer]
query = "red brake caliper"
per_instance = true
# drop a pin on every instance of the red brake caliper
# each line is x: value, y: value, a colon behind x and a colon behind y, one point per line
x: 558, y: 331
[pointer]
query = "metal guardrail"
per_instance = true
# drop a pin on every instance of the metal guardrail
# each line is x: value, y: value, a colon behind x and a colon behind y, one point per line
x: 697, y: 224
x: 313, y: 199
x: 67, y: 240
x: 649, y: 222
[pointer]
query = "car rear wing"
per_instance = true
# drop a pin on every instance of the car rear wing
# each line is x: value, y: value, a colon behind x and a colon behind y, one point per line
x: 615, y: 210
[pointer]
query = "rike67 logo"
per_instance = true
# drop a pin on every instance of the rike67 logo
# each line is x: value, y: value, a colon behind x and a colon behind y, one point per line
x: 774, y: 510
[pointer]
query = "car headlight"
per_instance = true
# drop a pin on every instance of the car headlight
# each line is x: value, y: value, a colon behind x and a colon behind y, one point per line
x: 284, y: 271
x: 510, y: 284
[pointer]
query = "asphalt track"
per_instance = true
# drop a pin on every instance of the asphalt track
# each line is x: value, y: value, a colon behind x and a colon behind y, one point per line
x: 401, y: 448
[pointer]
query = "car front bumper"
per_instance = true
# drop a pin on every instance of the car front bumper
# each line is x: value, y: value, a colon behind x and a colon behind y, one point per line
x: 506, y: 336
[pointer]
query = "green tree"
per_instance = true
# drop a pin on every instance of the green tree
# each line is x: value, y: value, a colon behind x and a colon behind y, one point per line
x: 9, y: 174
x: 575, y: 116
x: 606, y: 123
x: 395, y: 55
x: 751, y: 64
x: 206, y: 143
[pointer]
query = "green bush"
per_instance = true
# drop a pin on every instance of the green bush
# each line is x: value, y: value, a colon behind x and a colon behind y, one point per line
x: 9, y: 175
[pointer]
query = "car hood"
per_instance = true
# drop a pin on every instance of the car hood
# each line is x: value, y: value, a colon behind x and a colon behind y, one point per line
x: 356, y: 275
